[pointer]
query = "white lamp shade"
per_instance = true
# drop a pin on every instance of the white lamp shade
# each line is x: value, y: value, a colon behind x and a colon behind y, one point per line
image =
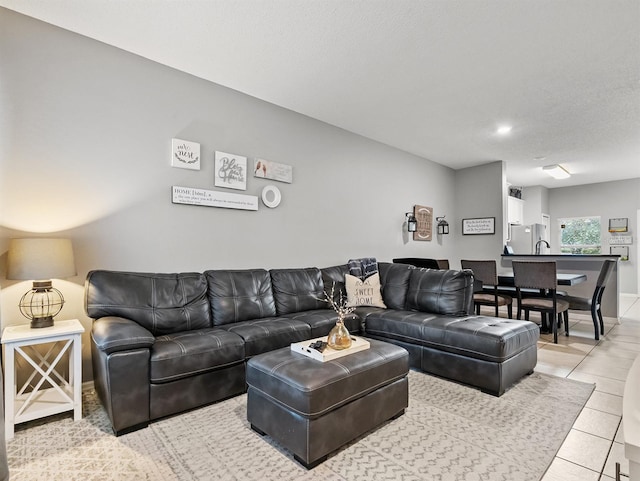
x: 40, y: 258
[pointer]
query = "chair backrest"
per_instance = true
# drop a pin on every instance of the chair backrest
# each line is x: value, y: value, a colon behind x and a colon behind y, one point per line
x: 418, y: 262
x: 443, y: 264
x: 535, y: 274
x: 605, y: 272
x: 485, y: 271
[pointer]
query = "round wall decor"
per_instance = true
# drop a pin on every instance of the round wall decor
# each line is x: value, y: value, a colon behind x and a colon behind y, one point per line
x: 271, y: 196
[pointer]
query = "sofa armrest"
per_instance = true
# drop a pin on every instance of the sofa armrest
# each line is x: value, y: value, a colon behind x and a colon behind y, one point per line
x: 113, y: 334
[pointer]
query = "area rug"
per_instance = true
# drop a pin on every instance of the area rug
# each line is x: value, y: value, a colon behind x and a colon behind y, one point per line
x: 449, y: 432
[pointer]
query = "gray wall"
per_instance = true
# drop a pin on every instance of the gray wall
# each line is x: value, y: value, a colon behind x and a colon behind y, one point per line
x: 85, y: 136
x: 481, y: 193
x: 607, y: 200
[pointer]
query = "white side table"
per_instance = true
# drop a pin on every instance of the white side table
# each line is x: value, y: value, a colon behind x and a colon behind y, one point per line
x: 63, y: 395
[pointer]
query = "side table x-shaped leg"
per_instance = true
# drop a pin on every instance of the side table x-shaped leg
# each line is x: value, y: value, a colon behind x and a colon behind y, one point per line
x: 52, y: 393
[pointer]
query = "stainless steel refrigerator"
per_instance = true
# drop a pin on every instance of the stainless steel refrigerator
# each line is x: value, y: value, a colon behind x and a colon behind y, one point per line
x: 523, y: 239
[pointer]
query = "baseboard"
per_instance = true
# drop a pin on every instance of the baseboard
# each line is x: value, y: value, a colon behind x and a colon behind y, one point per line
x: 633, y: 296
x: 88, y: 386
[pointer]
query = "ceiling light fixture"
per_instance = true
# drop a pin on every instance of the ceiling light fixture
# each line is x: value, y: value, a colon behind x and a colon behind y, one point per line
x: 504, y: 129
x: 556, y: 171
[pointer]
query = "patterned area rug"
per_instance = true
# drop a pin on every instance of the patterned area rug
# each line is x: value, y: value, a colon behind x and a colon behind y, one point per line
x: 449, y: 432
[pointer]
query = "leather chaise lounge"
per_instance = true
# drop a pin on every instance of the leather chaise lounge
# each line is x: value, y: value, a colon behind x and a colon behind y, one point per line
x: 166, y: 343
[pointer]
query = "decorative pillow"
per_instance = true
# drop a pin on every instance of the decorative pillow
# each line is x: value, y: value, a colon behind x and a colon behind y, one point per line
x: 364, y: 292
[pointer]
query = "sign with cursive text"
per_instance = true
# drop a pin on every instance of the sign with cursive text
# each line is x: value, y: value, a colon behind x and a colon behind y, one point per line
x: 230, y: 171
x: 268, y: 169
x: 185, y: 154
x: 479, y: 226
x: 212, y: 198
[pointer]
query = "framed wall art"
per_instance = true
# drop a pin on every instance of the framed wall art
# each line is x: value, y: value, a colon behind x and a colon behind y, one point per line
x: 213, y: 198
x: 424, y: 217
x: 230, y: 171
x: 622, y: 251
x: 185, y: 154
x: 479, y: 226
x: 619, y: 225
x: 267, y: 169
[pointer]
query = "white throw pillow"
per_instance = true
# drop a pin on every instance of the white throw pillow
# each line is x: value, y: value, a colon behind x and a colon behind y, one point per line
x: 364, y: 293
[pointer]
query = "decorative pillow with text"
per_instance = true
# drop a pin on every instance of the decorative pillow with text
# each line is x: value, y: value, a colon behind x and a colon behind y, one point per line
x: 364, y: 292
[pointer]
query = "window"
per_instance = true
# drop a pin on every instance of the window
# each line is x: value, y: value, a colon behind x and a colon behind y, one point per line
x: 580, y: 235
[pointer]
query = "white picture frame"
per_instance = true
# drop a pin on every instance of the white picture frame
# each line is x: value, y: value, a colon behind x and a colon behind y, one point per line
x: 479, y: 226
x: 185, y: 154
x: 213, y: 198
x: 267, y: 169
x: 230, y: 171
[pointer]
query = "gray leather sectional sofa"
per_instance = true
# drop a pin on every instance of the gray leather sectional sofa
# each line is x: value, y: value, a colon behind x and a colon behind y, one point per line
x: 165, y: 343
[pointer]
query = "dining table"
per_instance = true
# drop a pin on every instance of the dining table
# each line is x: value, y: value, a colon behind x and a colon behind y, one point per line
x: 564, y: 278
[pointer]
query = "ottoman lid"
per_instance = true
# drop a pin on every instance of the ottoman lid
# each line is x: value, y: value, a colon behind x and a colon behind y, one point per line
x: 312, y: 388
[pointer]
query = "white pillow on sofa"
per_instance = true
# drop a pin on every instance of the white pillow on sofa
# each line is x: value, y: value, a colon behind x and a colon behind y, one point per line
x: 364, y: 292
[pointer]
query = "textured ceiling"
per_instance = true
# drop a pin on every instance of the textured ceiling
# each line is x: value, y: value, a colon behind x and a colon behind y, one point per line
x: 434, y: 78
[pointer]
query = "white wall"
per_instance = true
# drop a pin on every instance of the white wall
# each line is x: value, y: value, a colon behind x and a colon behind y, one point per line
x: 536, y: 203
x: 85, y: 136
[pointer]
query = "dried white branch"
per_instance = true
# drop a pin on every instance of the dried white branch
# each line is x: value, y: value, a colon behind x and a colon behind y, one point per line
x: 340, y: 306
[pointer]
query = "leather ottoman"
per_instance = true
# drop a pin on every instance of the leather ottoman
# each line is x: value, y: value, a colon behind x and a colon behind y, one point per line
x: 313, y: 408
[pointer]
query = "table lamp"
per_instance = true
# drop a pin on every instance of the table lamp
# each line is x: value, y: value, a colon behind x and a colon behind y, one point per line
x: 40, y: 259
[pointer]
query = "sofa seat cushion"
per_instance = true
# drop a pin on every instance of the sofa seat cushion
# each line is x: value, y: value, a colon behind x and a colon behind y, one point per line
x: 185, y: 354
x: 321, y: 321
x: 480, y: 337
x: 262, y: 335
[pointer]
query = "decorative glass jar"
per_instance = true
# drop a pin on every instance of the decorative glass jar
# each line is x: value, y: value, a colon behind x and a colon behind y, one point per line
x: 339, y: 337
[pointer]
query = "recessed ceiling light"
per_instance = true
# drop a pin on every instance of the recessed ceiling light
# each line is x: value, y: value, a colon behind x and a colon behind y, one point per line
x: 556, y: 171
x: 504, y: 129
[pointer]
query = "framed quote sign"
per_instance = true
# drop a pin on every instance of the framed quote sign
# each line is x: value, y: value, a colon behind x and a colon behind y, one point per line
x: 424, y: 217
x: 479, y: 226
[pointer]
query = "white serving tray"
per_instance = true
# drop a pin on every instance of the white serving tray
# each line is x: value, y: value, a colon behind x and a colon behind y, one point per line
x: 357, y: 344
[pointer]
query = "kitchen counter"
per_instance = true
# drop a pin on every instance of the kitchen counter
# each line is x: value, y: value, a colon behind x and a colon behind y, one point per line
x: 580, y: 263
x: 563, y: 256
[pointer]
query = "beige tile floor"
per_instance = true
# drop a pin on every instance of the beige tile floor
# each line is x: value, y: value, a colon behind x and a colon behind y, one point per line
x: 595, y: 443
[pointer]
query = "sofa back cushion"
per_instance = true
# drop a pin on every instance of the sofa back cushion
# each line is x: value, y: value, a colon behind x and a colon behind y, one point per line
x: 297, y: 290
x: 445, y: 292
x: 161, y: 303
x: 394, y: 279
x: 334, y: 278
x: 240, y: 295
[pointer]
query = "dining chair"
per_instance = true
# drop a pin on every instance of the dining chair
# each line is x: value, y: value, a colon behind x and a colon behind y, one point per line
x: 487, y: 273
x: 593, y: 303
x: 443, y: 264
x: 542, y: 276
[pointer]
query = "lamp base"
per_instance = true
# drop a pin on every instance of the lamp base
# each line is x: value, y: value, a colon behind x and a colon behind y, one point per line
x: 38, y: 322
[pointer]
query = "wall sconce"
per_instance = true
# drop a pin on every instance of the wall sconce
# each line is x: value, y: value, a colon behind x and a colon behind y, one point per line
x: 443, y: 225
x: 412, y: 223
x: 30, y: 259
